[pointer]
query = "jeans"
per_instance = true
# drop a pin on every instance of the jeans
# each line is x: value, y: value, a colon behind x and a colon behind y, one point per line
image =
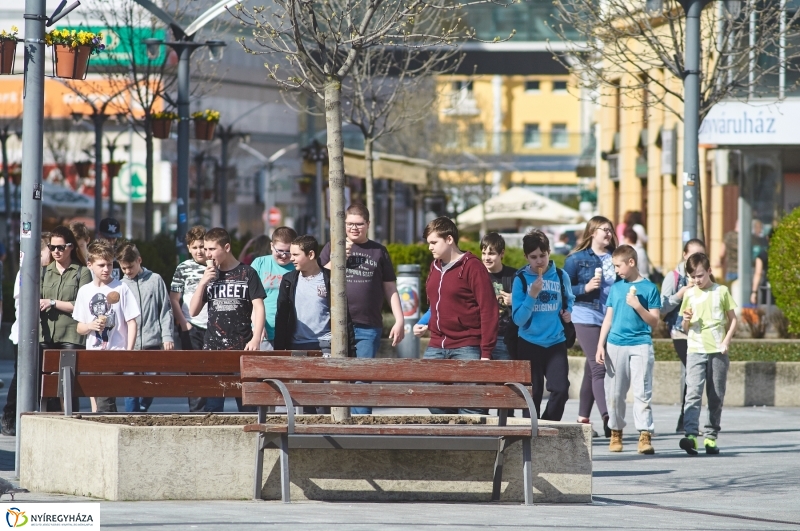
x: 551, y: 363
x: 140, y: 404
x: 628, y: 367
x: 711, y: 371
x: 681, y: 346
x: 368, y: 342
x: 194, y: 339
x: 462, y: 353
x: 594, y: 374
x: 500, y: 351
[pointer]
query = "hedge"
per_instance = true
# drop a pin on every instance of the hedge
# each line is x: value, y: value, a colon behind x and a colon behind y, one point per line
x: 418, y: 253
x: 784, y: 275
x: 760, y: 350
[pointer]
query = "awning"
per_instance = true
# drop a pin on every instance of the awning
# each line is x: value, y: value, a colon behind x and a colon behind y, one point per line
x: 518, y: 207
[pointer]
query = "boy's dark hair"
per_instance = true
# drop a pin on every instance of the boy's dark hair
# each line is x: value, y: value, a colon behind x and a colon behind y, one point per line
x: 307, y: 243
x: 493, y: 241
x: 284, y: 235
x: 100, y: 249
x: 626, y: 252
x: 693, y: 241
x: 698, y: 260
x: 128, y: 253
x: 357, y: 209
x: 218, y: 235
x: 535, y: 239
x: 80, y: 230
x: 630, y: 235
x: 198, y: 232
x: 443, y: 226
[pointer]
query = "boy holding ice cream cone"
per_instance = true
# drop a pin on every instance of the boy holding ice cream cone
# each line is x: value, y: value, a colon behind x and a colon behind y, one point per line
x: 626, y: 348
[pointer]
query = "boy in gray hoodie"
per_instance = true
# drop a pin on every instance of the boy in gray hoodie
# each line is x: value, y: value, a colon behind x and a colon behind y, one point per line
x: 154, y: 325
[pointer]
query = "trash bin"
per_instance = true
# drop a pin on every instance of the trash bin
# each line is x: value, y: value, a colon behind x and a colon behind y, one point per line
x: 408, y: 282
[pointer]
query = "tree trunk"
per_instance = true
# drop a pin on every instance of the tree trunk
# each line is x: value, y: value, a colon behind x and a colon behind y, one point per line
x: 370, y: 181
x: 148, y: 200
x: 333, y: 118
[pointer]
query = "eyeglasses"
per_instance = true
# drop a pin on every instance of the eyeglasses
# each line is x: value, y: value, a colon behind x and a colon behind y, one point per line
x: 607, y: 230
x: 59, y: 248
x: 355, y: 225
x: 282, y: 252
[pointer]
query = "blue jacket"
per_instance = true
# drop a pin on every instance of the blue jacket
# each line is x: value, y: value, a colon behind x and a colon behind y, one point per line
x: 580, y: 267
x: 539, y: 319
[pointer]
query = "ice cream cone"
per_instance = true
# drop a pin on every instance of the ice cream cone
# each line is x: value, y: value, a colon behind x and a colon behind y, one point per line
x: 102, y: 319
x: 598, y: 272
x: 633, y: 290
x: 540, y: 271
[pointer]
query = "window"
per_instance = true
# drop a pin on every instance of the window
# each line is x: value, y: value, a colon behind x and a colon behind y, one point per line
x: 558, y: 136
x: 477, y: 138
x: 532, y: 137
x: 532, y: 86
x: 450, y: 136
x: 462, y: 85
x: 559, y: 86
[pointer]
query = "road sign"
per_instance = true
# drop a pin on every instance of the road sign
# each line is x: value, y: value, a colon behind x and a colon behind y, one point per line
x: 274, y: 216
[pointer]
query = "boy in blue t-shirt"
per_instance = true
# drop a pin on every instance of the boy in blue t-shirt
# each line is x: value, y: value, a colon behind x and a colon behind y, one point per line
x: 633, y: 310
x: 271, y: 269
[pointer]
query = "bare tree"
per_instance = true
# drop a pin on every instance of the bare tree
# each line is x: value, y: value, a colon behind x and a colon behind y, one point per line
x: 628, y: 48
x: 319, y: 43
x: 390, y: 88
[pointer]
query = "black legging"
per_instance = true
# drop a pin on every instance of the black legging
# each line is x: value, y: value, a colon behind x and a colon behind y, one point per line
x: 594, y: 374
x: 681, y: 347
x: 551, y: 363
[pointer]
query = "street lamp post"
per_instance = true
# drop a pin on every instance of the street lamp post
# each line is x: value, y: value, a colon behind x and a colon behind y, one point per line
x: 184, y: 48
x: 225, y: 136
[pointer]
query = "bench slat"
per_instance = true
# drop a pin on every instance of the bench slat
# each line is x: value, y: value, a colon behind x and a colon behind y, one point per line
x: 384, y: 395
x: 385, y: 370
x: 457, y: 430
x: 211, y: 361
x: 159, y: 386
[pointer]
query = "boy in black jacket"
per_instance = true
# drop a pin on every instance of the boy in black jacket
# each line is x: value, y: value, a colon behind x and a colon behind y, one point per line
x: 303, y: 319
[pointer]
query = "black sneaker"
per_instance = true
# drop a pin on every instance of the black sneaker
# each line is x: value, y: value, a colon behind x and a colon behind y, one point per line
x: 8, y: 426
x: 606, y: 429
x: 689, y: 443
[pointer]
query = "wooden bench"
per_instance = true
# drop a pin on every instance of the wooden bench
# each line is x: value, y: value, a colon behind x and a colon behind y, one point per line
x: 180, y: 373
x: 392, y: 383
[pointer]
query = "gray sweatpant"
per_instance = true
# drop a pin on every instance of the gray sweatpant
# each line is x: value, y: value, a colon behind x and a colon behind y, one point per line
x: 711, y: 371
x: 628, y: 367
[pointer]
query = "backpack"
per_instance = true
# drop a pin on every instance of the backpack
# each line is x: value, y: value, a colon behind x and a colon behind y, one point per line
x: 511, y: 339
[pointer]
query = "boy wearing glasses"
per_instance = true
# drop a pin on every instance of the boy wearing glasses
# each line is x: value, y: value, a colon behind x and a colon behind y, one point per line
x: 271, y: 269
x: 370, y: 279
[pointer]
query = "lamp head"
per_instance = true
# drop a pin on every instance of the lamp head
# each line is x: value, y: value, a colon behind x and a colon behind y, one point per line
x: 153, y: 48
x: 733, y: 7
x: 215, y: 50
x: 654, y: 6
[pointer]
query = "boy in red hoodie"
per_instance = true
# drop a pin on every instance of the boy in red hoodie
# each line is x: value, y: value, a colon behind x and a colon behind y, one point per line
x: 464, y: 309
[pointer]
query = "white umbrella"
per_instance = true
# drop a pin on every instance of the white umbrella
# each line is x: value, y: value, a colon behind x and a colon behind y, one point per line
x: 518, y: 207
x: 55, y: 198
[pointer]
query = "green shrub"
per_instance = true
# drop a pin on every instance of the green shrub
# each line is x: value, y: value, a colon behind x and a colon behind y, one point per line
x: 418, y: 253
x: 784, y: 275
x: 159, y: 255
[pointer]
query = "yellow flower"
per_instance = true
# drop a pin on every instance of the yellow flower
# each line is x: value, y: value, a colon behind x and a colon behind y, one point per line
x: 14, y: 29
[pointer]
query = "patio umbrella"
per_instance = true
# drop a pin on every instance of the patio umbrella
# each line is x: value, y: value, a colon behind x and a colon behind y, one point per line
x: 517, y: 208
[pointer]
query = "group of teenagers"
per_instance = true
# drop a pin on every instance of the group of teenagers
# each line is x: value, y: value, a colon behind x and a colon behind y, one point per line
x: 97, y: 295
x: 493, y: 311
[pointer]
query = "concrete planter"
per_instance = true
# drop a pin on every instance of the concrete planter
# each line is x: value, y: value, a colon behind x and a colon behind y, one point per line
x: 120, y: 462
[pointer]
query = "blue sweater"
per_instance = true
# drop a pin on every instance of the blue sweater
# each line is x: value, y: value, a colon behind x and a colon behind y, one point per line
x: 539, y: 320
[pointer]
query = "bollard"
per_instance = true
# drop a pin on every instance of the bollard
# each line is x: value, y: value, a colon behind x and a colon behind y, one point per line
x: 408, y: 281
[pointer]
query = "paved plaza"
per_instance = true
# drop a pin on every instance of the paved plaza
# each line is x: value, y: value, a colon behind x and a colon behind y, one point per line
x: 754, y: 484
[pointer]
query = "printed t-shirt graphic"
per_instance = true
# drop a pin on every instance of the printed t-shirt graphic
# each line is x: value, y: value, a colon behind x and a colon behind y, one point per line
x: 116, y: 303
x: 503, y: 280
x: 368, y: 267
x: 230, y: 307
x: 187, y: 277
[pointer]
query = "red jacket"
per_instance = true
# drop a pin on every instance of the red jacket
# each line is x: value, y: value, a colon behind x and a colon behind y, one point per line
x: 464, y: 310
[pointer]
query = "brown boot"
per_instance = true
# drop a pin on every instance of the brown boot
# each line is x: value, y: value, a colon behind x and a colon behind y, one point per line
x: 645, y: 447
x: 616, y: 441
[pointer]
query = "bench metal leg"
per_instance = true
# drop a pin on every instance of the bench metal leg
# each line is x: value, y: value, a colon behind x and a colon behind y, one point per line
x: 285, y: 487
x: 527, y: 471
x: 261, y: 441
x: 498, y: 468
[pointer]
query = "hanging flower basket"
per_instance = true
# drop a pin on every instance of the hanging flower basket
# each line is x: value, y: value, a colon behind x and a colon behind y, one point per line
x: 71, y: 51
x: 83, y: 168
x: 112, y: 168
x: 8, y: 50
x: 161, y: 128
x: 205, y: 122
x: 305, y: 185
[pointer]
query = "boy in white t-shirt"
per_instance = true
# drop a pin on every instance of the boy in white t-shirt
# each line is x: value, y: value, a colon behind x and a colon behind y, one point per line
x: 106, y: 312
